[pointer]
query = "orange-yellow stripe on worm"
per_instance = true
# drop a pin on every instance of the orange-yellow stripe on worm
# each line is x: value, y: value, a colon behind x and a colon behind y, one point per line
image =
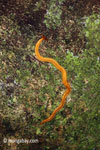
x: 64, y: 78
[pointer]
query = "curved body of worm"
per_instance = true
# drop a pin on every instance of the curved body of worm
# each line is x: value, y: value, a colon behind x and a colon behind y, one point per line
x: 64, y: 78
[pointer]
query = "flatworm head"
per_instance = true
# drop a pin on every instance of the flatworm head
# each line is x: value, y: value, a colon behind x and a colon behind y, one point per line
x: 44, y: 37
